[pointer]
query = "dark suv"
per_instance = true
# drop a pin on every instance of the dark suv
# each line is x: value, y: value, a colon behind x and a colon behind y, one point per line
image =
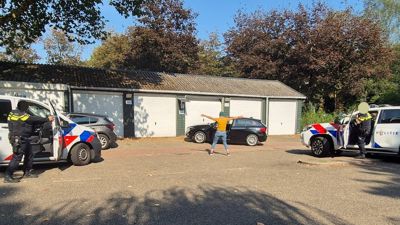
x: 245, y: 130
x: 101, y: 124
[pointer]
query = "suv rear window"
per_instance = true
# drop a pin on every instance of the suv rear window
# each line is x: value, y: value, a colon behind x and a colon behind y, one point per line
x: 390, y: 116
x: 5, y: 109
x: 247, y: 123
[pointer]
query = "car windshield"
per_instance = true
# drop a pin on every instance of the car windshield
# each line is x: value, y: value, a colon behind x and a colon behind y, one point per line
x: 37, y: 110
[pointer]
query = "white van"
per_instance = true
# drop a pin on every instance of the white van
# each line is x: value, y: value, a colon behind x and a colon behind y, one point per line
x: 61, y: 140
x: 327, y: 138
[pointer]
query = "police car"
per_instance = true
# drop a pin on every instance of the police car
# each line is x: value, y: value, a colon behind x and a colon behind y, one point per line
x: 61, y: 140
x: 326, y: 139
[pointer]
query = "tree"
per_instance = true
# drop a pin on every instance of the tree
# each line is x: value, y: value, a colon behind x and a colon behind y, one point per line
x: 387, y: 12
x: 81, y: 20
x: 21, y: 55
x: 111, y: 53
x: 327, y: 55
x: 163, y: 40
x: 212, y: 60
x: 60, y: 50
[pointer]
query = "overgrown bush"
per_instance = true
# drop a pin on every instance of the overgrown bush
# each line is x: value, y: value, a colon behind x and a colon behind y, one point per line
x: 311, y: 115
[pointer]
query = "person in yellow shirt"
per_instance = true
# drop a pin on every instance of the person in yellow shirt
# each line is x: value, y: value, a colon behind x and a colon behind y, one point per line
x: 222, y: 121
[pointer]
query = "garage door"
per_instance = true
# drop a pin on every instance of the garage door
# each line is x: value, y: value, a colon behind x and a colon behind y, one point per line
x: 246, y: 108
x: 103, y: 103
x: 155, y: 115
x: 282, y: 117
x: 194, y: 108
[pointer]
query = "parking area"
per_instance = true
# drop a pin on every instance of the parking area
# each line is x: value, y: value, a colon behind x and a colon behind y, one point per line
x: 170, y: 181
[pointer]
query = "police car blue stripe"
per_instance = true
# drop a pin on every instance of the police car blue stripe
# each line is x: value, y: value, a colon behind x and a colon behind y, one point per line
x: 376, y: 145
x: 69, y: 128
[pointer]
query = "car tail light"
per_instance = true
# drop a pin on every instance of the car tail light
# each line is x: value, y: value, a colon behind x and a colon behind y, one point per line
x: 263, y: 130
x: 111, y: 126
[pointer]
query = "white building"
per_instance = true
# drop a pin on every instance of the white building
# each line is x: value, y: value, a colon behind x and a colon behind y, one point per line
x: 151, y: 104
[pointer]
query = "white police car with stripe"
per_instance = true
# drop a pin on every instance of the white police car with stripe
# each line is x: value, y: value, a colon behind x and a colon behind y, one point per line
x: 64, y: 140
x: 326, y: 139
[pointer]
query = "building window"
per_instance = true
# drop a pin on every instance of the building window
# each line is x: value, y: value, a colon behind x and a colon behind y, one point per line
x: 181, y: 106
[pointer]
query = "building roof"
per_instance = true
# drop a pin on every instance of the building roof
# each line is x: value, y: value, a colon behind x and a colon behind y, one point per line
x: 142, y: 80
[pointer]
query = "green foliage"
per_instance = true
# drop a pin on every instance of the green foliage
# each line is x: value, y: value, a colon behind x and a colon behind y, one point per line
x: 387, y: 12
x: 391, y: 95
x: 164, y: 40
x: 81, y: 20
x: 111, y: 54
x: 311, y: 115
x: 20, y: 55
x: 323, y: 53
x: 212, y: 60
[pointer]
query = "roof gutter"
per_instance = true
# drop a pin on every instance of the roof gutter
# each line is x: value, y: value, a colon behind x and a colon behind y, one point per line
x: 182, y: 92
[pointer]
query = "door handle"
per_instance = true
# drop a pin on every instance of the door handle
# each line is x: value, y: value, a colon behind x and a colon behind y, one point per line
x: 5, y: 127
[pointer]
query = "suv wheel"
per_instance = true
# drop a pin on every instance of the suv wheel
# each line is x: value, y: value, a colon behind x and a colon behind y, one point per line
x: 251, y: 140
x: 320, y: 147
x: 199, y: 137
x: 104, y: 140
x: 80, y: 154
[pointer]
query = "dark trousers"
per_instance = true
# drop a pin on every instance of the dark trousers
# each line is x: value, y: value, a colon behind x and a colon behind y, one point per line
x: 361, y: 144
x: 25, y: 150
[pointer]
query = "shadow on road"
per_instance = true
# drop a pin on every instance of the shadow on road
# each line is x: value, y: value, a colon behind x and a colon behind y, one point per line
x: 375, y: 164
x: 207, y: 205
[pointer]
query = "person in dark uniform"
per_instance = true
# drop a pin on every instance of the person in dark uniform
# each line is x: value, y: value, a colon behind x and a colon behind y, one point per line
x: 363, y: 125
x: 20, y: 125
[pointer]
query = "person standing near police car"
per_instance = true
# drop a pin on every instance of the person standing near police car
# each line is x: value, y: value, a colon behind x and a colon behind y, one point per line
x: 363, y: 122
x: 20, y: 125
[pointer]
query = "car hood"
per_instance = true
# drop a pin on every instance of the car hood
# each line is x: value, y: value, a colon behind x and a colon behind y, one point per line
x: 202, y: 126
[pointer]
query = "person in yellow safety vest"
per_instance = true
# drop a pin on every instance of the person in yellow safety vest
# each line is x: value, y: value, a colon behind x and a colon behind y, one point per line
x: 363, y: 125
x: 20, y: 125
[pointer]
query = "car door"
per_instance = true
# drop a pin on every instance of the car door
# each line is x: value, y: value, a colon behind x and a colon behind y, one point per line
x: 237, y: 129
x: 387, y: 131
x: 5, y: 146
x: 57, y: 134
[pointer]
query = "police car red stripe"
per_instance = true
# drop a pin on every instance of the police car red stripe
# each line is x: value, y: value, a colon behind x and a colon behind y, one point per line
x: 320, y: 129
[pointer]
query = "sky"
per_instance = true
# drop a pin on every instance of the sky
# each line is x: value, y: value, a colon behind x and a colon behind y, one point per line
x: 213, y: 15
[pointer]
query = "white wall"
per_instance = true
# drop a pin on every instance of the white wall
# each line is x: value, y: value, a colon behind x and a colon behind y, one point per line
x: 246, y: 107
x: 37, y: 91
x: 103, y: 103
x: 155, y: 115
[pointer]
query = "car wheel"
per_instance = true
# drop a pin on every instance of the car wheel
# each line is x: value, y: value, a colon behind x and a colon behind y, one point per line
x: 251, y: 140
x: 80, y: 154
x: 104, y: 140
x: 320, y: 147
x: 199, y: 137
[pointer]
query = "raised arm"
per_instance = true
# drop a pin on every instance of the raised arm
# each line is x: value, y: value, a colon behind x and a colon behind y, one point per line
x: 208, y: 117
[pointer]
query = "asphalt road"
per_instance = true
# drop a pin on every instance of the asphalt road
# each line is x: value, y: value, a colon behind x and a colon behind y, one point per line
x: 169, y: 181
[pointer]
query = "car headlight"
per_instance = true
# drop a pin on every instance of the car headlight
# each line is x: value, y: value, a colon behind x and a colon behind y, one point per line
x: 306, y: 128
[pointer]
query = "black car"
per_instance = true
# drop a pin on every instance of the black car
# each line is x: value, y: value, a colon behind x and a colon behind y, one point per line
x: 241, y: 131
x: 101, y: 124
